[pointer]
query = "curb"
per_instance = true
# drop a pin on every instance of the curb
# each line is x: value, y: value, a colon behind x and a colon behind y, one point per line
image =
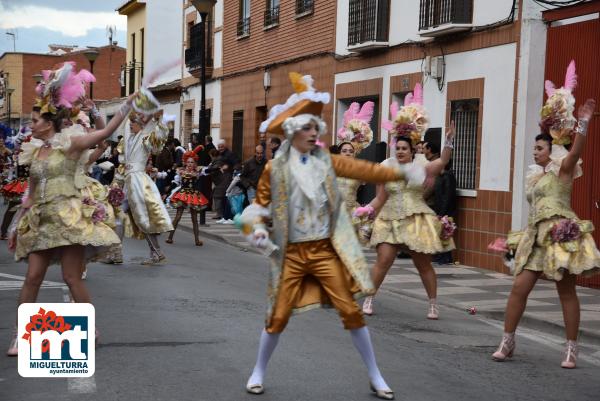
x: 585, y: 335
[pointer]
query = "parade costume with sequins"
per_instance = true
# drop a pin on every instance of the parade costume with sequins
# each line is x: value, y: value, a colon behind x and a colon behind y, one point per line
x: 59, y: 215
x: 405, y: 219
x: 146, y: 207
x: 550, y: 202
x: 189, y: 195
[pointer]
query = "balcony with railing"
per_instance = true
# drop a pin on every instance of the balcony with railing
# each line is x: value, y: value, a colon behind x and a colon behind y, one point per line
x: 243, y: 27
x: 442, y: 17
x: 272, y: 17
x: 193, y: 54
x: 304, y: 7
x: 368, y: 24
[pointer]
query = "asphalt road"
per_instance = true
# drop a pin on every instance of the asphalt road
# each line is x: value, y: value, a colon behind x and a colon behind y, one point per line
x: 189, y: 329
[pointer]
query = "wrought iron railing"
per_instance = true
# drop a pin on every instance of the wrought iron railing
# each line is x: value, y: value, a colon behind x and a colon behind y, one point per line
x: 434, y: 13
x: 368, y: 21
x: 243, y: 27
x: 304, y: 6
x: 193, y: 54
x: 272, y: 16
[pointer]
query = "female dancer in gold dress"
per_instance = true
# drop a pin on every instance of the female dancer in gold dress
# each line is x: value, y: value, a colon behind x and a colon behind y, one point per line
x: 555, y: 243
x: 55, y: 223
x: 404, y: 222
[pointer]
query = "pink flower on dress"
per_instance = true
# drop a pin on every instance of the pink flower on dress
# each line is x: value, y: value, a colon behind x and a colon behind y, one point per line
x: 565, y: 230
x: 448, y: 227
x: 99, y: 213
x: 116, y: 196
x: 499, y: 245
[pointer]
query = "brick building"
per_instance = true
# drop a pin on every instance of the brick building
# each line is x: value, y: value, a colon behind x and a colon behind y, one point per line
x: 262, y: 42
x: 18, y: 70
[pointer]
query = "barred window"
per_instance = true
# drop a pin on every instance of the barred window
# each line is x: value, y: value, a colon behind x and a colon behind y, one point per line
x: 304, y: 7
x: 465, y: 114
x: 243, y: 25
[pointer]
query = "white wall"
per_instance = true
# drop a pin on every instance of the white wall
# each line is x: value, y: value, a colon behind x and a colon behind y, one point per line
x: 213, y: 91
x: 163, y: 37
x: 497, y: 66
x: 404, y: 19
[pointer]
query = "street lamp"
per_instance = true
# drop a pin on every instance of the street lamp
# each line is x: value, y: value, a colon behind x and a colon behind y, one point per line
x: 91, y: 54
x: 9, y: 92
x: 204, y: 7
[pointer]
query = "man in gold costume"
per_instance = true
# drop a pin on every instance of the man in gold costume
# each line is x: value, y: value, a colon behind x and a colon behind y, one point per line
x: 316, y: 259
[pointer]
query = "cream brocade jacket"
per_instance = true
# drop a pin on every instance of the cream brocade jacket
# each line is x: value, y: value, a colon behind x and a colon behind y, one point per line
x: 274, y: 191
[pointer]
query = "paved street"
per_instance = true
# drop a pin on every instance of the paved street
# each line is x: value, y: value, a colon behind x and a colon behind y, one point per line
x: 188, y: 330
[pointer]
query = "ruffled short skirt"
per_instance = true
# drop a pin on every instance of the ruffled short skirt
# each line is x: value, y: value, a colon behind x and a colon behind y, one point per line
x: 62, y: 222
x: 536, y: 251
x: 419, y: 232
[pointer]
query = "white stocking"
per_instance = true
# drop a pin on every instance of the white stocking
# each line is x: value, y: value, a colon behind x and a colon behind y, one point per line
x: 267, y: 345
x: 362, y: 342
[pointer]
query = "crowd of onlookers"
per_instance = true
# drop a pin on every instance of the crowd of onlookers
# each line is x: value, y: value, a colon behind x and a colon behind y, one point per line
x: 228, y: 183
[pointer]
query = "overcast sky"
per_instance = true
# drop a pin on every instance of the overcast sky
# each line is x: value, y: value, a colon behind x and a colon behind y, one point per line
x: 38, y: 23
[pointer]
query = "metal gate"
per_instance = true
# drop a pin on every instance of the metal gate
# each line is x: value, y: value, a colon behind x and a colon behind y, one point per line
x: 580, y: 41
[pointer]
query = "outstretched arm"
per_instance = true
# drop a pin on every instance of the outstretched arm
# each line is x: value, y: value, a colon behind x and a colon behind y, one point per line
x: 584, y: 114
x: 80, y: 143
x: 434, y: 168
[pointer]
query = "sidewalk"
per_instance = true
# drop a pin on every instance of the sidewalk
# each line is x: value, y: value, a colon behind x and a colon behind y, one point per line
x: 459, y: 287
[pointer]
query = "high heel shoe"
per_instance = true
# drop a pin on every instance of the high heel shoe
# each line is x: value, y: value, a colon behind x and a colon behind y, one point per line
x: 570, y: 355
x: 169, y: 240
x: 433, y: 312
x: 368, y: 306
x: 199, y: 243
x: 255, y: 388
x: 506, y: 348
x: 13, y: 348
x: 383, y: 394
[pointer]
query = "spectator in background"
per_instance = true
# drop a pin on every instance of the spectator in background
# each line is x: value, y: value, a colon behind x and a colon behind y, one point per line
x: 334, y: 149
x: 262, y: 140
x: 227, y: 156
x: 221, y: 178
x: 419, y: 147
x: 251, y: 172
x: 235, y: 193
x: 431, y: 151
x: 178, y: 153
x: 208, y: 143
x: 274, y: 144
x: 164, y: 164
x: 444, y: 194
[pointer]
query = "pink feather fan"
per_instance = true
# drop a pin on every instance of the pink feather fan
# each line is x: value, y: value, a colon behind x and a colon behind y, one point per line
x: 366, y: 112
x: 571, y: 77
x: 570, y: 80
x: 387, y: 124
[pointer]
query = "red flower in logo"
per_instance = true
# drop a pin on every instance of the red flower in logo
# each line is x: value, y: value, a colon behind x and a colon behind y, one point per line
x: 44, y: 321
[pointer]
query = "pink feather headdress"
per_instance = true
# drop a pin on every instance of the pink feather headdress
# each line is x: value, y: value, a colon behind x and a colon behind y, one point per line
x: 356, y: 128
x: 62, y: 88
x: 410, y: 120
x: 557, y: 117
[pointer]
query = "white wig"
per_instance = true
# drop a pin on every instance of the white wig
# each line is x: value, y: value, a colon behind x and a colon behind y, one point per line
x: 291, y: 125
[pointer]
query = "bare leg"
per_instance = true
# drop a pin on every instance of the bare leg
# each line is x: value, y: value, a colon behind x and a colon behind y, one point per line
x: 72, y: 259
x: 517, y: 299
x: 386, y: 254
x: 36, y: 271
x: 195, y: 227
x: 423, y: 264
x: 570, y: 305
x: 175, y: 223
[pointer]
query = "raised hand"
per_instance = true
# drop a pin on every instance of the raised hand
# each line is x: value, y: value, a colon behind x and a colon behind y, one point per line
x: 586, y: 110
x: 451, y: 131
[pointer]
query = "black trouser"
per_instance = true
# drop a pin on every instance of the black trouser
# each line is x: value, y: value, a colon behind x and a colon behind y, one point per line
x: 9, y: 214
